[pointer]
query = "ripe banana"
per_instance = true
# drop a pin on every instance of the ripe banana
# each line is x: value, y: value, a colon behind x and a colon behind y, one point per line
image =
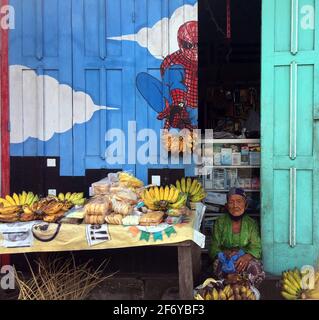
x: 288, y: 296
x: 178, y: 185
x: 9, y: 210
x: 61, y: 196
x: 166, y: 193
x: 193, y: 187
x: 67, y: 196
x: 188, y: 184
x: 16, y: 199
x: 10, y: 200
x: 161, y: 193
x: 5, y: 202
x: 183, y: 185
x: 157, y: 194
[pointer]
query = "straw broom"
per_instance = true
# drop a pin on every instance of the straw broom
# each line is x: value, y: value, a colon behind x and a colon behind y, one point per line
x: 60, y: 279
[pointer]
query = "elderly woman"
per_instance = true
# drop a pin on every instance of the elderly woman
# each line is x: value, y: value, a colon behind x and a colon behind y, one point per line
x: 236, y: 244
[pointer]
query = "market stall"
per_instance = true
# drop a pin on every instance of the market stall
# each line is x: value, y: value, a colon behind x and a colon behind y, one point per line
x: 121, y: 213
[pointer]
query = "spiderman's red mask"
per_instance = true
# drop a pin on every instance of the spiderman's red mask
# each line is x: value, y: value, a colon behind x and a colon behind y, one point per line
x: 188, y: 40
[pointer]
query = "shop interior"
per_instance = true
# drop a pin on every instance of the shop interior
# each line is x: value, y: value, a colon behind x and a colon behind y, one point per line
x: 229, y: 101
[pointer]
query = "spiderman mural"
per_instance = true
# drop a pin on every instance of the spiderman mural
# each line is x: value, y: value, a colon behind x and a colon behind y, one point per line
x: 175, y: 98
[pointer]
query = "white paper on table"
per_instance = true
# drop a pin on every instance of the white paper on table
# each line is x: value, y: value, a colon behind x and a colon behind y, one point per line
x: 199, y: 239
x: 16, y: 235
x: 96, y: 234
x: 200, y: 212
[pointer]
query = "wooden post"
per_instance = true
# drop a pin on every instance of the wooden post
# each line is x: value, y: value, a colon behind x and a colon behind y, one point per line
x: 185, y: 269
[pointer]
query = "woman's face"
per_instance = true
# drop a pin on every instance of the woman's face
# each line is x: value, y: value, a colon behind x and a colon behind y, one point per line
x: 236, y: 205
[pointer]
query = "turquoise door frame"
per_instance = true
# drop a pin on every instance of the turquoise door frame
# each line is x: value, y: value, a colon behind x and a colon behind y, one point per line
x: 290, y: 133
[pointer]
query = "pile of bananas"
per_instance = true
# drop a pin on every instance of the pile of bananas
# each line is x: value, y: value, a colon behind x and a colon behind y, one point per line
x: 162, y: 199
x: 19, y: 199
x: 292, y: 286
x: 129, y: 180
x: 217, y: 291
x: 48, y: 209
x: 76, y: 198
x: 11, y: 207
x: 192, y: 188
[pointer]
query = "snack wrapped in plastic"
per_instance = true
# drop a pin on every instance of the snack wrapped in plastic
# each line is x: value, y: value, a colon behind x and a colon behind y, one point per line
x: 152, y: 218
x: 98, y: 205
x: 128, y: 180
x: 131, y: 220
x: 115, y: 219
x: 101, y: 187
x: 121, y: 207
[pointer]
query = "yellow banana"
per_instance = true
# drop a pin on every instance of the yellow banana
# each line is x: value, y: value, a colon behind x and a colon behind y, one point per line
x: 178, y: 185
x: 30, y: 197
x: 183, y: 185
x: 290, y: 290
x: 193, y: 187
x: 161, y: 193
x: 297, y: 276
x: 180, y: 203
x: 151, y: 192
x: 197, y: 189
x: 9, y: 210
x: 288, y: 296
x: 292, y: 280
x: 157, y: 194
x: 175, y: 196
x: 61, y: 196
x: 26, y: 209
x: 5, y: 202
x: 166, y: 193
x: 24, y: 197
x: 10, y: 200
x: 215, y: 294
x: 67, y: 196
x: 16, y: 199
x: 188, y: 184
x: 171, y: 194
x: 291, y: 285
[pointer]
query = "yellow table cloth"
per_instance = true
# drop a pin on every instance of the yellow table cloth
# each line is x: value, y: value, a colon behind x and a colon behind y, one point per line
x: 73, y: 238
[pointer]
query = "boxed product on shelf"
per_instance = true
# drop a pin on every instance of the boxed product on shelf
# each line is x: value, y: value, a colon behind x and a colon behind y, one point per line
x: 226, y: 156
x: 230, y: 178
x: 254, y: 158
x: 245, y: 155
x: 241, y: 183
x: 236, y: 159
x: 218, y: 179
x: 216, y: 198
x: 247, y: 183
x: 217, y: 159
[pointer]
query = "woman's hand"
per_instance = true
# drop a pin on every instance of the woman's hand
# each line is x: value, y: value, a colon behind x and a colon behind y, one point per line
x: 242, y: 263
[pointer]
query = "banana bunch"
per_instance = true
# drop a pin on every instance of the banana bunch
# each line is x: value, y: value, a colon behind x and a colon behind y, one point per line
x: 291, y: 284
x: 160, y: 198
x: 76, y: 198
x: 129, y: 180
x: 179, y: 143
x: 227, y: 293
x: 19, y: 199
x: 192, y: 188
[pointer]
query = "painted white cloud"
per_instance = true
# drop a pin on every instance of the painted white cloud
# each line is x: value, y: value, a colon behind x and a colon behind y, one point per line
x: 161, y: 39
x: 40, y: 106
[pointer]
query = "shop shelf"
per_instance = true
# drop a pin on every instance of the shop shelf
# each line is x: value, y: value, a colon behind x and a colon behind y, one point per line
x: 231, y: 141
